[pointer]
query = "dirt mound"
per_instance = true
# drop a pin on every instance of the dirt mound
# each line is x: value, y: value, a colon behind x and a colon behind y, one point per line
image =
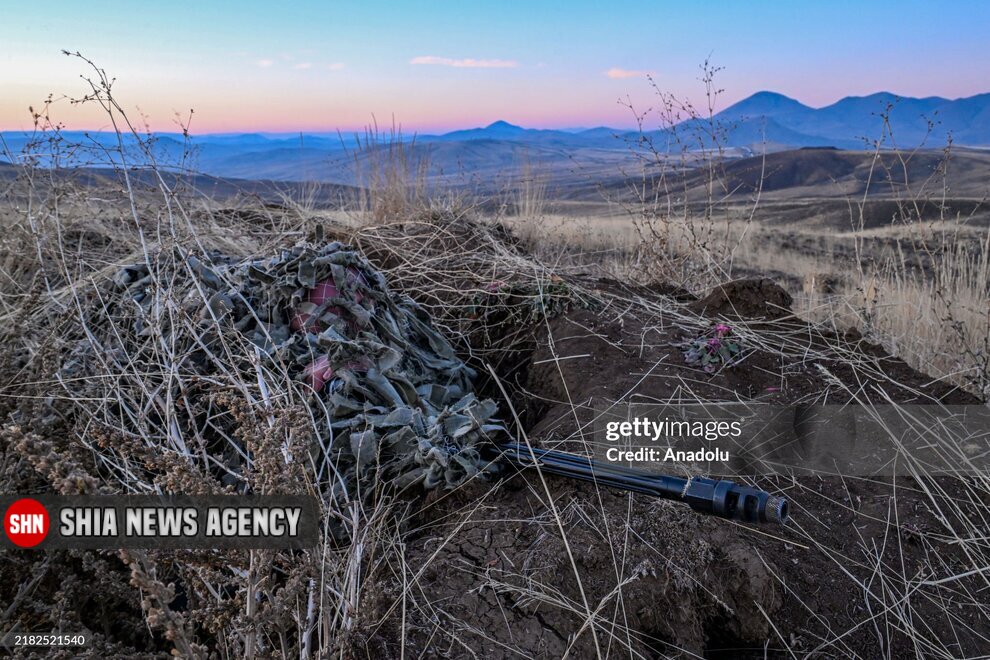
x: 266, y: 364
x: 757, y: 298
x: 493, y: 571
x: 517, y: 565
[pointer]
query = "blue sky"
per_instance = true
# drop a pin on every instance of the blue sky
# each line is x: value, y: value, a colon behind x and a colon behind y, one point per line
x: 441, y: 65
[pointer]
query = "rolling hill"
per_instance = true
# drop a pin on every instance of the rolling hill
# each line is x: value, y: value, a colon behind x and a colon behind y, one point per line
x: 763, y: 122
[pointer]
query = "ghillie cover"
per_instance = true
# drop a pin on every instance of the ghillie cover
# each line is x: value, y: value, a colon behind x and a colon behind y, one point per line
x: 392, y: 399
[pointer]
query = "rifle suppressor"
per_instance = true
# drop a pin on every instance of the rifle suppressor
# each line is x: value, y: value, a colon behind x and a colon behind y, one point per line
x: 722, y: 498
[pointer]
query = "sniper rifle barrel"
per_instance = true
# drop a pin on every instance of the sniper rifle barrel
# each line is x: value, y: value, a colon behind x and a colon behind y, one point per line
x: 717, y: 497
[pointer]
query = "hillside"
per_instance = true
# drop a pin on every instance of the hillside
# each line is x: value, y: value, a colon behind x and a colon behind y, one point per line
x: 503, y: 563
x: 763, y: 122
x: 858, y: 118
x: 825, y: 173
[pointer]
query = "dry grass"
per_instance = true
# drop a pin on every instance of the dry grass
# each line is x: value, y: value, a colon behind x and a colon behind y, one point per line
x: 938, y: 321
x: 342, y: 599
x: 934, y: 317
x: 391, y: 175
x: 317, y: 603
x: 61, y: 244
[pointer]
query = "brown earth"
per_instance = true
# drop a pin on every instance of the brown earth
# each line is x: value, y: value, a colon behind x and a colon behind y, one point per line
x: 512, y: 568
x: 750, y: 298
x: 488, y: 573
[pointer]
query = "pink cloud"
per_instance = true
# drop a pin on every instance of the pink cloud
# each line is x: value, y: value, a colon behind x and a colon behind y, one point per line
x: 466, y: 63
x: 621, y: 74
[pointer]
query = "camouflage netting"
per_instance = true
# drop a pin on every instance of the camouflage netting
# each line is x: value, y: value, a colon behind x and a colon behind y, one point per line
x: 202, y: 368
x: 390, y: 399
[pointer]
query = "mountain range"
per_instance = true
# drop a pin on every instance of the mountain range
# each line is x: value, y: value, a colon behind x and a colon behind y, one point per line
x: 764, y: 121
x: 855, y: 120
x: 850, y: 123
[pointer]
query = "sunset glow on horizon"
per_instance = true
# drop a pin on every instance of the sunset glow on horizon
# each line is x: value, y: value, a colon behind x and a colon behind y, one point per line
x: 321, y: 67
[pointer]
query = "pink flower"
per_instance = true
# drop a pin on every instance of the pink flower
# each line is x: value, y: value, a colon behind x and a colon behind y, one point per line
x: 721, y: 330
x: 714, y: 344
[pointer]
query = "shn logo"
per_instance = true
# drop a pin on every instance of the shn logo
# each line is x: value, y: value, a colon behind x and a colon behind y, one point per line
x: 26, y: 523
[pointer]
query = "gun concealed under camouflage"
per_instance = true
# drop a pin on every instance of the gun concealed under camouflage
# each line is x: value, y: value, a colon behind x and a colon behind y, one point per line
x: 715, y: 497
x: 394, y: 400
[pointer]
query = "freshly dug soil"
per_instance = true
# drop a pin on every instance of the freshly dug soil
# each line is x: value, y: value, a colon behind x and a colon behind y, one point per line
x: 758, y: 298
x: 522, y: 566
x: 489, y: 574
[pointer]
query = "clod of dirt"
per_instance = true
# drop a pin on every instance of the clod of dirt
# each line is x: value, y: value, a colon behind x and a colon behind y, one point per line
x: 757, y: 298
x: 678, y: 293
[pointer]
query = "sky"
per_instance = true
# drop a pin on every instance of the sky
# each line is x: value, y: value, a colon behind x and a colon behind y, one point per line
x: 266, y: 66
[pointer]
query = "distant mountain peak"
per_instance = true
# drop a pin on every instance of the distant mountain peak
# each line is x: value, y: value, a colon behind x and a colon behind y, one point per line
x: 766, y: 102
x: 502, y: 125
x: 767, y: 95
x: 877, y: 95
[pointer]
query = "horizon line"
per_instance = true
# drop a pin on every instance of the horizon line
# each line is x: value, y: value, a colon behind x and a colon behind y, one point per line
x: 440, y: 132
